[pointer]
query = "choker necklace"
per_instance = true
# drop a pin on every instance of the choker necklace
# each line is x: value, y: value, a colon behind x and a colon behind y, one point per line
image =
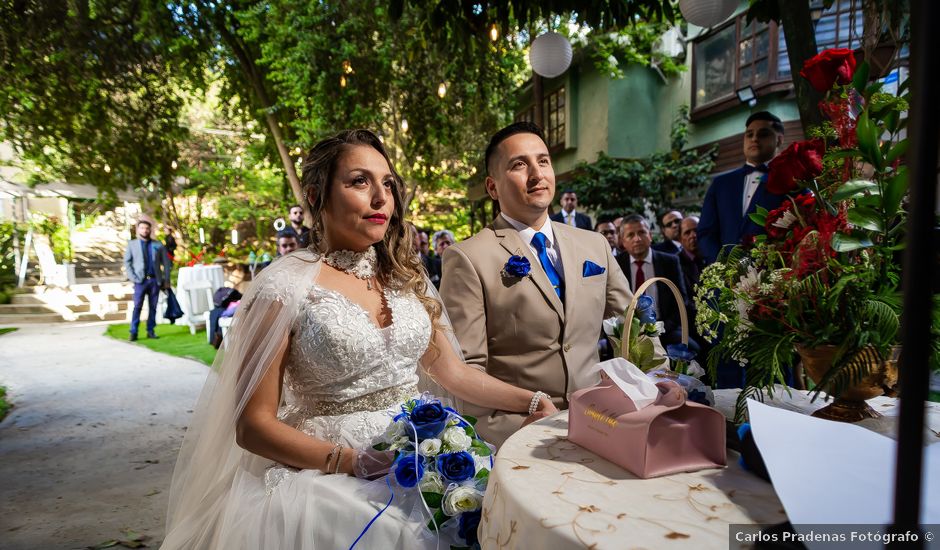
x: 359, y: 264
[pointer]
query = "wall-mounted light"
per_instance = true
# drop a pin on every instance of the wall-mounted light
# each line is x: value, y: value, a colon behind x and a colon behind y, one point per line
x: 747, y: 95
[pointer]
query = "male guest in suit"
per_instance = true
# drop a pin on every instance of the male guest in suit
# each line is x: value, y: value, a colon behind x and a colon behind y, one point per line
x: 296, y: 215
x: 527, y: 296
x: 568, y: 215
x: 609, y: 231
x: 734, y: 195
x: 148, y: 267
x: 669, y: 225
x: 690, y: 257
x: 641, y: 263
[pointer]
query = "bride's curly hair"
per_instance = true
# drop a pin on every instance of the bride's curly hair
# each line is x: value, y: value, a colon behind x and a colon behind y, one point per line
x: 399, y: 266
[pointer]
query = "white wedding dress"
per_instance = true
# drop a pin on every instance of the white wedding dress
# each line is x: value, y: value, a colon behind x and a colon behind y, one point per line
x: 343, y: 380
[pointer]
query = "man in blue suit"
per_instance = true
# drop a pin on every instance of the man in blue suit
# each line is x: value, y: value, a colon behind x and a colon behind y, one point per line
x: 734, y: 195
x: 148, y: 267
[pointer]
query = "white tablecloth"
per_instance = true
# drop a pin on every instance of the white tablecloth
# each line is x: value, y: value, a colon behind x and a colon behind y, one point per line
x: 212, y: 273
x: 546, y: 492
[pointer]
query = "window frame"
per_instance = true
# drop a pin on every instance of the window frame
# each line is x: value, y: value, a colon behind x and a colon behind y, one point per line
x: 527, y: 114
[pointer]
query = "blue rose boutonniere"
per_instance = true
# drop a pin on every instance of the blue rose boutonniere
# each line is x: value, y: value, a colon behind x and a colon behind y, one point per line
x: 517, y: 266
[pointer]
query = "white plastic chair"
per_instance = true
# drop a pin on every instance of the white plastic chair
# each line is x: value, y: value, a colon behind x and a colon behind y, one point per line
x: 194, y: 310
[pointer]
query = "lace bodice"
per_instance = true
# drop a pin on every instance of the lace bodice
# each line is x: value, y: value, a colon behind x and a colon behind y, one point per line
x: 343, y: 371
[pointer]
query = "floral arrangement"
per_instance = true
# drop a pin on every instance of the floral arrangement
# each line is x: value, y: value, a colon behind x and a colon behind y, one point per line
x: 827, y: 271
x: 439, y: 455
x: 645, y: 327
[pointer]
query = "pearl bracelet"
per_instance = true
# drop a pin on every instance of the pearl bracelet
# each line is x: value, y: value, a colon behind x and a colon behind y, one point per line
x: 534, y: 403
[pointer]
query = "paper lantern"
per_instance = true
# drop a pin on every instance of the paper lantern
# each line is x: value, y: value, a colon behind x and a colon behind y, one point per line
x: 707, y: 13
x: 550, y: 55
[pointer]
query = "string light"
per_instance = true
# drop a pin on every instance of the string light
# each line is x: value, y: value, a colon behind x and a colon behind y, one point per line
x: 342, y: 81
x: 173, y: 165
x: 442, y: 90
x: 107, y: 169
x: 347, y: 67
x: 494, y: 33
x: 404, y: 125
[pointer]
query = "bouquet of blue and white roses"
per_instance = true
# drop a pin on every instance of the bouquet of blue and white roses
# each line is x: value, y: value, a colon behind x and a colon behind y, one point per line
x: 439, y: 455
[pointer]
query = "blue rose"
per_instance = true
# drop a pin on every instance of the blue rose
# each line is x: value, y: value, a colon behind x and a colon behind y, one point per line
x: 467, y: 527
x: 645, y: 311
x: 698, y: 396
x: 409, y: 471
x: 517, y: 266
x: 680, y: 352
x: 456, y: 467
x: 429, y: 419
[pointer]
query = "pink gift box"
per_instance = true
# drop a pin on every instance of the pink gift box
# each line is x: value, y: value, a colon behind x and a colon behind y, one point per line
x: 670, y: 435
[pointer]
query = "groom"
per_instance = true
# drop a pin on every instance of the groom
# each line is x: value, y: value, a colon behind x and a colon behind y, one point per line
x: 526, y: 295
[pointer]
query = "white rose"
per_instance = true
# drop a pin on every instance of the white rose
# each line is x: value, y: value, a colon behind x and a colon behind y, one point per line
x: 456, y: 439
x: 611, y: 325
x: 432, y: 482
x: 694, y: 369
x: 429, y: 447
x: 462, y: 498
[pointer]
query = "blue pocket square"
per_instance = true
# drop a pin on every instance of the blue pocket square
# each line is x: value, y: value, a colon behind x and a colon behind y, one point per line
x: 591, y: 269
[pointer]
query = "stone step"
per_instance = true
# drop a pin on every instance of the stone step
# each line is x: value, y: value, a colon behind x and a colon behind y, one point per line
x: 30, y: 319
x: 24, y: 309
x: 115, y: 316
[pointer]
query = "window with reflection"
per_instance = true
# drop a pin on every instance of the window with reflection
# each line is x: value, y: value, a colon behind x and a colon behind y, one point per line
x: 714, y: 66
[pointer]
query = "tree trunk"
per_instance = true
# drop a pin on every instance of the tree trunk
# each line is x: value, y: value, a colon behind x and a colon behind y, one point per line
x: 255, y: 80
x: 801, y: 45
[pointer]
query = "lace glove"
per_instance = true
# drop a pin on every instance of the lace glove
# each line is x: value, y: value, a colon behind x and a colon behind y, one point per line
x: 371, y: 464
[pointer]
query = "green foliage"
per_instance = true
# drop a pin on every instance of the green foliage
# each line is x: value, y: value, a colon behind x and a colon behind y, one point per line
x: 89, y: 90
x: 4, y: 404
x: 7, y: 259
x: 630, y: 45
x: 614, y: 187
x: 58, y: 233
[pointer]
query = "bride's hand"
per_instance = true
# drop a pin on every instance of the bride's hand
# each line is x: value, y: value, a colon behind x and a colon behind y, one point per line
x: 370, y: 464
x: 546, y: 409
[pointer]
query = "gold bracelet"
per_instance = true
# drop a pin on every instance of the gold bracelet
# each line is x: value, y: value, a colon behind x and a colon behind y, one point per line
x: 339, y: 459
x: 329, y: 457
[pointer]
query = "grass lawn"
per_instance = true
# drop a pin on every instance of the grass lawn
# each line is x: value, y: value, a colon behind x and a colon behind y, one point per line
x: 6, y: 330
x: 173, y: 340
x: 4, y: 404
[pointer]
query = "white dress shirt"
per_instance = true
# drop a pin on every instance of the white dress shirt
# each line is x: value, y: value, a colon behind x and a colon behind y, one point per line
x: 648, y: 274
x: 751, y: 181
x: 551, y: 245
x: 570, y: 218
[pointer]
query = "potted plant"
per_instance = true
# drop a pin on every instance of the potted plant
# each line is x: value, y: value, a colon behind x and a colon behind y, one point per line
x: 825, y: 278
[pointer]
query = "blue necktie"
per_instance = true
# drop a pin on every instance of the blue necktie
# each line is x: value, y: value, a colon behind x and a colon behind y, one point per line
x: 148, y: 258
x: 538, y: 241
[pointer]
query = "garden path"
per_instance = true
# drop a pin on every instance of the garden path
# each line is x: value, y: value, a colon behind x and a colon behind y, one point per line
x: 87, y: 451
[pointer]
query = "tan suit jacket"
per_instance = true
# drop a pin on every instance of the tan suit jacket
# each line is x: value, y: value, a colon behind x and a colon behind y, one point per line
x: 517, y: 329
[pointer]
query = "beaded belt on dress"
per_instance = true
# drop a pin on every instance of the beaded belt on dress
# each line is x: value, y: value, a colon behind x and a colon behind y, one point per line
x: 375, y: 401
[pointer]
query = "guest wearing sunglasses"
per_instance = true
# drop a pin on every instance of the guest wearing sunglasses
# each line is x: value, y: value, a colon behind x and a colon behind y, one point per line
x: 669, y: 223
x: 609, y: 231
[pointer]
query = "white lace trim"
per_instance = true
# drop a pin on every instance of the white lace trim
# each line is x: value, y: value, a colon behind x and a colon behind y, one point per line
x: 360, y: 264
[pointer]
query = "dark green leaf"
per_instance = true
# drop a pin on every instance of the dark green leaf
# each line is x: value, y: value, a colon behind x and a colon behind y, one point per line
x: 860, y: 80
x: 894, y: 191
x: 759, y: 216
x: 854, y: 188
x: 897, y: 151
x: 470, y: 419
x: 480, y: 448
x: 867, y: 133
x: 847, y: 243
x: 440, y: 518
x: 433, y: 500
x: 482, y: 475
x: 866, y: 218
x: 843, y: 153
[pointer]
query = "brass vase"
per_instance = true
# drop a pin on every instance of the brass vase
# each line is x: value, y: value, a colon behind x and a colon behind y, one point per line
x: 850, y: 406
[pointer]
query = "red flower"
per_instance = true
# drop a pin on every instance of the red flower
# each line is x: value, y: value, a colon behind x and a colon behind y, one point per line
x: 802, y: 160
x: 828, y: 67
x: 773, y: 216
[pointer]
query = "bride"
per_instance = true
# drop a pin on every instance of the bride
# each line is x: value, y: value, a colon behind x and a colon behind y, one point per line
x: 326, y: 341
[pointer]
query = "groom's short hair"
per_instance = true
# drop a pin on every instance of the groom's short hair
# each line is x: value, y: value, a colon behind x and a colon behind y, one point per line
x: 508, y: 131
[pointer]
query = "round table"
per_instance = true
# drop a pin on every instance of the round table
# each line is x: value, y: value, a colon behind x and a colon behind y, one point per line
x: 546, y: 492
